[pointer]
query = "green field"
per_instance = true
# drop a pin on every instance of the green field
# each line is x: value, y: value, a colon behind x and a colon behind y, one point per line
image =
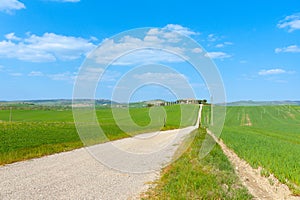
x: 37, y: 132
x: 192, y: 178
x: 266, y: 136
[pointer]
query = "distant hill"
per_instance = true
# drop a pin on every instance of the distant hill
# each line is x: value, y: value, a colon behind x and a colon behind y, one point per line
x: 106, y: 102
x: 59, y: 102
x: 262, y: 103
x: 156, y: 101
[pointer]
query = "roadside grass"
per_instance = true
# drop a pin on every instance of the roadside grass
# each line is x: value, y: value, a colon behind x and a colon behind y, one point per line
x: 35, y: 133
x: 272, y: 141
x: 192, y: 178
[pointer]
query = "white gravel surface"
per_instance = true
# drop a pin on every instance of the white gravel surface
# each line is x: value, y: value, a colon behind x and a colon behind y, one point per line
x: 79, y: 174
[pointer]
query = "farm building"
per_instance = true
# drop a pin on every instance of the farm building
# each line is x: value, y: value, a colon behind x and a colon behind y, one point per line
x: 188, y: 101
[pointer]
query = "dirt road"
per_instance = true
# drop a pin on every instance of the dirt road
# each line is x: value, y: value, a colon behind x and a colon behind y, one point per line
x: 78, y: 175
x: 260, y: 187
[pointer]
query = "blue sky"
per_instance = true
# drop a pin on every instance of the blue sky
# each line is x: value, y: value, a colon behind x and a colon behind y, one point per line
x: 255, y: 44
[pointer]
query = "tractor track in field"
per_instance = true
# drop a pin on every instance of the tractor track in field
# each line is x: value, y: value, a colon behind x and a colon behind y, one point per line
x: 259, y: 186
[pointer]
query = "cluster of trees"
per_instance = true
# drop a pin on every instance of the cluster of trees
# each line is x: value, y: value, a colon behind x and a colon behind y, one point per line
x: 181, y: 101
x: 203, y: 101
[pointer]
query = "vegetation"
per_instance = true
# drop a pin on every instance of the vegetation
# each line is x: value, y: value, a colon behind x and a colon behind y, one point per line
x: 266, y: 136
x: 191, y: 178
x: 37, y: 132
x: 24, y: 140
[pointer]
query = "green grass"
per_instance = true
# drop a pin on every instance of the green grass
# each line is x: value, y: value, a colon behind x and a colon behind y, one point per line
x: 191, y: 178
x: 34, y: 133
x: 271, y: 141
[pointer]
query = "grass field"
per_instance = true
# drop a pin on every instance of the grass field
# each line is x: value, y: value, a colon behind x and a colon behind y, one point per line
x: 192, y: 178
x: 266, y: 136
x: 34, y: 133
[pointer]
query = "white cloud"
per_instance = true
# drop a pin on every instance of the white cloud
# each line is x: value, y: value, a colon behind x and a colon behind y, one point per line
x: 35, y: 73
x: 212, y: 38
x: 9, y: 5
x: 180, y: 29
x: 11, y: 36
x: 46, y: 48
x: 217, y: 55
x: 93, y: 38
x: 197, y: 50
x: 291, y: 22
x: 271, y: 72
x: 221, y: 45
x: 165, y: 38
x: 290, y: 49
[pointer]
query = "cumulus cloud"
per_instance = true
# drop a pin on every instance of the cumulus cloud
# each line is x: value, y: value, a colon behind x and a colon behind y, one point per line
x: 46, y: 48
x: 289, y: 49
x: 9, y: 5
x: 11, y: 36
x: 165, y: 38
x: 217, y: 55
x: 291, y: 22
x: 265, y: 72
x: 180, y: 29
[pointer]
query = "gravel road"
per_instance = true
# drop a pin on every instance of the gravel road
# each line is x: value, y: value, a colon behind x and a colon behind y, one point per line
x: 114, y: 170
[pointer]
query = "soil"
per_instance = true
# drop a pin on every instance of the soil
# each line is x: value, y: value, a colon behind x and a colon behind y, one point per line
x: 260, y: 187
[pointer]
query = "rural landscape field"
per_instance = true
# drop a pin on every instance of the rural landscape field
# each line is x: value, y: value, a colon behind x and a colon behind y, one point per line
x: 266, y: 137
x: 36, y: 131
x: 149, y: 100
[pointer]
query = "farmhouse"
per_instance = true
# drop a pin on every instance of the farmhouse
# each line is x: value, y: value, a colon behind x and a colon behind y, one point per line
x: 188, y: 101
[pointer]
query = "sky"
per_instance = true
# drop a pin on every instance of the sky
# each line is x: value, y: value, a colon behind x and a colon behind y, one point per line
x: 255, y: 46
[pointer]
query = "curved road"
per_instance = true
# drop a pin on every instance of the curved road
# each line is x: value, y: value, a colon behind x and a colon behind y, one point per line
x: 79, y: 175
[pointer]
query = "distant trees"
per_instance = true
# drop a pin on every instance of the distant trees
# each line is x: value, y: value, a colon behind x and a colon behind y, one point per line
x: 179, y: 101
x: 203, y: 101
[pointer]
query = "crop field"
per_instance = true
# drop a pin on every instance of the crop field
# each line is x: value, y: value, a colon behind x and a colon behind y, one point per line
x: 37, y: 132
x: 192, y: 178
x: 267, y: 137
